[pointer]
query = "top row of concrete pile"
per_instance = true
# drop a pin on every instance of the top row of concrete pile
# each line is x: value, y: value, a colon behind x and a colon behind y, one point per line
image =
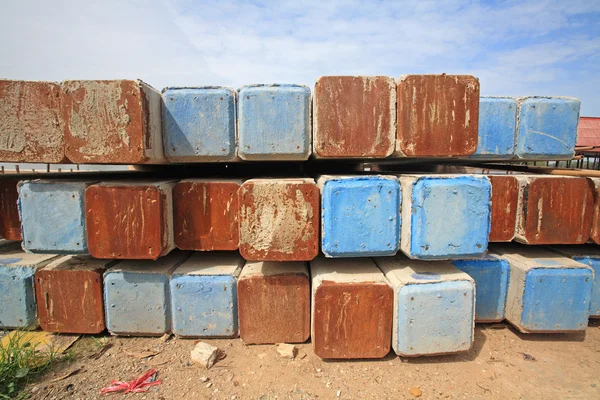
x: 424, y: 116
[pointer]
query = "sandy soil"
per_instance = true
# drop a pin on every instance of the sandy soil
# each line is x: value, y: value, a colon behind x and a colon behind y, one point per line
x: 503, y: 364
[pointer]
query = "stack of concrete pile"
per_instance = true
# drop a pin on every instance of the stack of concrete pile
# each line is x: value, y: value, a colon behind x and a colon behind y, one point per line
x: 359, y: 263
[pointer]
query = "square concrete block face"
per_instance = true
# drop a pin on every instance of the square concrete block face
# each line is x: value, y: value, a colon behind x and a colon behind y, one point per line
x: 199, y: 124
x: 547, y: 292
x: 10, y: 223
x: 205, y: 214
x: 437, y: 115
x: 434, y: 306
x: 130, y: 220
x: 274, y: 302
x: 554, y: 210
x: 595, y: 230
x: 343, y: 127
x: 445, y: 216
x: 360, y: 216
x: 53, y: 216
x: 547, y: 127
x: 491, y: 274
x: 17, y: 287
x: 68, y: 292
x: 505, y: 201
x: 30, y: 127
x: 112, y: 122
x: 590, y: 256
x: 279, y: 219
x: 351, y: 313
x: 136, y: 295
x: 497, y: 128
x: 274, y: 122
x: 204, y: 295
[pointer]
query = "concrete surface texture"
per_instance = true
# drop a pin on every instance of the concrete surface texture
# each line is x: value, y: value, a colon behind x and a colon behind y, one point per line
x: 205, y: 214
x: 547, y: 127
x: 547, y: 292
x: 354, y: 116
x: 554, y: 209
x: 128, y: 131
x: 351, y: 310
x: 17, y: 293
x: 31, y: 122
x: 68, y: 292
x: 274, y: 302
x: 438, y: 115
x: 10, y: 223
x: 279, y: 219
x: 199, y: 124
x: 360, y: 215
x: 130, y: 219
x: 136, y: 295
x: 491, y: 275
x: 497, y: 128
x: 274, y: 122
x: 590, y: 256
x: 434, y: 306
x: 504, y: 207
x: 445, y: 216
x: 204, y: 295
x: 53, y: 216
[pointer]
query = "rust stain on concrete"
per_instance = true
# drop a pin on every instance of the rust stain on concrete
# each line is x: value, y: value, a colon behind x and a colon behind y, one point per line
x: 69, y: 296
x: 595, y: 230
x: 274, y: 308
x: 206, y: 215
x: 10, y: 223
x: 354, y: 116
x: 505, y: 198
x: 352, y: 320
x: 438, y: 115
x: 554, y: 210
x: 129, y: 220
x: 30, y: 126
x: 279, y: 219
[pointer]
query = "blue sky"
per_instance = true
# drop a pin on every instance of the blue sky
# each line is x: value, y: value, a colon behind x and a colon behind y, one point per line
x: 526, y: 47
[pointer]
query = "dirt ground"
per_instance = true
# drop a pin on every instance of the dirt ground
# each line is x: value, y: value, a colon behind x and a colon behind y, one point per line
x: 503, y: 364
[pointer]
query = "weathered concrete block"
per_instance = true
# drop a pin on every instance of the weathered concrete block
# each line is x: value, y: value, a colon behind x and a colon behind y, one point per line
x: 438, y: 115
x: 360, y: 215
x: 30, y: 127
x: 10, y: 223
x: 497, y: 128
x: 351, y: 311
x: 136, y: 295
x: 17, y: 293
x: 590, y: 256
x: 595, y: 229
x: 130, y: 220
x: 279, y: 219
x: 547, y: 127
x: 274, y: 302
x: 53, y: 216
x: 343, y: 127
x: 199, y: 124
x: 68, y: 292
x: 554, y: 209
x: 491, y: 274
x: 445, y: 216
x: 204, y: 295
x: 205, y: 214
x: 434, y: 306
x: 505, y: 201
x: 112, y: 122
x: 546, y: 292
x: 274, y: 122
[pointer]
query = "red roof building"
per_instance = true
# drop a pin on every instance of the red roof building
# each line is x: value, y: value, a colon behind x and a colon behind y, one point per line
x: 588, y: 133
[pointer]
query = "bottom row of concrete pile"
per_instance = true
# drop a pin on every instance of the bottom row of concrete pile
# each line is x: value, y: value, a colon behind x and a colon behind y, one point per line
x: 351, y: 308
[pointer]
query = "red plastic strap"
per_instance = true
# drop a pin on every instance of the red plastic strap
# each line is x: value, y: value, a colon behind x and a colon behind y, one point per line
x: 141, y: 384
